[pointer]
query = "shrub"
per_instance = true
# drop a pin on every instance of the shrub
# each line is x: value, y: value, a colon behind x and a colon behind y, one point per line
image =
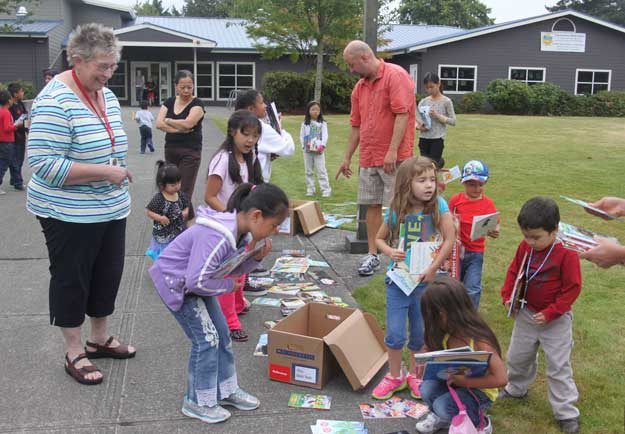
x: 29, y: 88
x: 472, y: 102
x: 609, y: 103
x: 292, y: 91
x: 547, y: 99
x: 508, y: 96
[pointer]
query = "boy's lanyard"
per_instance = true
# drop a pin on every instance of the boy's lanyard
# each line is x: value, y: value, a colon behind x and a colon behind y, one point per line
x: 104, y: 120
x: 528, y: 278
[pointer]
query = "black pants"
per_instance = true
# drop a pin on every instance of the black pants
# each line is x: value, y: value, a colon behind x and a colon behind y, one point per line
x: 9, y: 159
x: 433, y: 149
x: 188, y: 161
x: 86, y: 266
x: 146, y: 138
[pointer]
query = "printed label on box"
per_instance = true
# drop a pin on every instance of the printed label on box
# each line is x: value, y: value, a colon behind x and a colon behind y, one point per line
x: 279, y: 373
x: 305, y: 374
x: 296, y: 354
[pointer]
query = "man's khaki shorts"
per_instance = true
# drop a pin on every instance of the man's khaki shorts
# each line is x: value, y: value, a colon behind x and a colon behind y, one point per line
x: 375, y: 187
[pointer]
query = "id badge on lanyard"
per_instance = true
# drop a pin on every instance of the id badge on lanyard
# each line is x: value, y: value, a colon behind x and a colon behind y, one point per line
x: 113, y: 161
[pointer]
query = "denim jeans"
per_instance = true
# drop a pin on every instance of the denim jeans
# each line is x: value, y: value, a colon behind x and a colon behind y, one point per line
x: 212, y: 375
x: 471, y: 275
x: 17, y: 161
x: 146, y: 138
x: 436, y: 395
x: 399, y: 308
x: 8, y: 160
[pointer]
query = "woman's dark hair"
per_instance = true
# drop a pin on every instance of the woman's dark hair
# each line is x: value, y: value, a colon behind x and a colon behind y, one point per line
x: 14, y: 88
x: 5, y: 97
x: 539, y: 213
x: 244, y: 121
x: 144, y: 104
x: 182, y: 73
x: 166, y: 173
x: 268, y: 198
x: 447, y: 310
x: 307, y: 117
x: 246, y: 99
x: 49, y: 72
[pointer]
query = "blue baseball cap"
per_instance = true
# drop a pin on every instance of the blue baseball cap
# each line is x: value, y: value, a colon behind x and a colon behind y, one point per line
x: 475, y: 170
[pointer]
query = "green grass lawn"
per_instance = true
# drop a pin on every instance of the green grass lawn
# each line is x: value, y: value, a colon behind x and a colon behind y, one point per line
x: 527, y: 156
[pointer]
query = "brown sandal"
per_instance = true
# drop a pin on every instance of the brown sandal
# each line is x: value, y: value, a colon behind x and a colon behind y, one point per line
x: 80, y: 374
x: 105, y: 351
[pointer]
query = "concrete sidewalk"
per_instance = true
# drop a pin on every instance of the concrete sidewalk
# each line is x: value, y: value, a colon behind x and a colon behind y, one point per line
x: 144, y: 394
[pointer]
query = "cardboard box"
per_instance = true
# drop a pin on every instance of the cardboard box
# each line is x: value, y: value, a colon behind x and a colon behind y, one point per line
x: 307, y: 347
x: 304, y: 216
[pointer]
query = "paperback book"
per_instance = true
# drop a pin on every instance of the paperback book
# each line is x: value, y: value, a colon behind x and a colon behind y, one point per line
x: 578, y: 239
x: 483, y: 224
x: 517, y: 298
x: 233, y: 262
x: 261, y: 346
x: 591, y: 209
x: 424, y: 115
x: 317, y: 402
x: 449, y: 175
x: 439, y: 365
x: 290, y: 265
x: 394, y: 407
x: 266, y: 301
x: 338, y: 427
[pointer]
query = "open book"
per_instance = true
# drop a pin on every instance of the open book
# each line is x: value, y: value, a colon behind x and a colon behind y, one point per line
x: 439, y: 365
x: 233, y: 262
x: 483, y: 224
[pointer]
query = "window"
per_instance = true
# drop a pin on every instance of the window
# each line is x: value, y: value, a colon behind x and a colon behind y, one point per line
x: 458, y: 78
x: 204, y: 77
x: 234, y: 76
x: 591, y: 81
x: 117, y: 83
x: 528, y: 75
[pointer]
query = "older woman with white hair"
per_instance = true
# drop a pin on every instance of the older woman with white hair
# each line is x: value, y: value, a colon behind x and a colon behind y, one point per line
x: 79, y: 192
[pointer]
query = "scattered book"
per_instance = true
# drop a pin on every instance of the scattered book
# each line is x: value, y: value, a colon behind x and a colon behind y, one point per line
x: 393, y: 408
x: 333, y: 221
x: 266, y: 301
x: 321, y: 277
x: 440, y: 365
x: 591, y: 209
x: 483, y: 224
x: 261, y: 346
x: 290, y: 265
x: 298, y: 253
x: 317, y: 402
x: 314, y: 263
x: 233, y: 262
x: 338, y: 427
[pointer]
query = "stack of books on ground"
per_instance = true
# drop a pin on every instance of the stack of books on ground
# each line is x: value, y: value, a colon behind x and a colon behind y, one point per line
x: 578, y: 239
x: 338, y: 427
x: 393, y: 408
x: 440, y: 365
x: 304, y: 400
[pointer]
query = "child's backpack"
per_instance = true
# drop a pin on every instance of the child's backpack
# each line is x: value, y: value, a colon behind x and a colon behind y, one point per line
x: 461, y: 423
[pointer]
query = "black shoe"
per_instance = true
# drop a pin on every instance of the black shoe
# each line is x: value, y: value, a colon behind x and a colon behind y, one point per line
x: 19, y: 187
x: 569, y: 426
x: 504, y: 394
x: 254, y: 291
x: 238, y: 335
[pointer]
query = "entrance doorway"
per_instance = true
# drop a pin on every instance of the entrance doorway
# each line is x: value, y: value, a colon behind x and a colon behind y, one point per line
x: 150, y: 79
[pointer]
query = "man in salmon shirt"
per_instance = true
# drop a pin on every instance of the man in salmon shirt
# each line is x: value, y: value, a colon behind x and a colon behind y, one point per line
x: 382, y: 122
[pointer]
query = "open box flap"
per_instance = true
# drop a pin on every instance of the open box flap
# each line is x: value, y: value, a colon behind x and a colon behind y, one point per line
x: 358, y: 345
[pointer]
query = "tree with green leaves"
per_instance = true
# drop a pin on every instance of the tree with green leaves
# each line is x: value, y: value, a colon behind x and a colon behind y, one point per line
x: 155, y: 8
x: 466, y: 14
x: 303, y: 28
x: 222, y: 8
x: 609, y: 10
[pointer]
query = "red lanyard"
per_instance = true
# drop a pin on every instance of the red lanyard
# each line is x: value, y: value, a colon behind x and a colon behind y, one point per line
x: 103, y: 119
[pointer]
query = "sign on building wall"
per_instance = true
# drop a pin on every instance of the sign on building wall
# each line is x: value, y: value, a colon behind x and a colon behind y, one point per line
x: 570, y: 42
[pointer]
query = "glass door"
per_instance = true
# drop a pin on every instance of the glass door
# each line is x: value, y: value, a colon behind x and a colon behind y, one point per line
x: 139, y: 77
x: 164, y: 81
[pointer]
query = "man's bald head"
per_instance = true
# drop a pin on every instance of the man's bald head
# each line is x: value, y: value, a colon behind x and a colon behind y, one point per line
x: 361, y: 59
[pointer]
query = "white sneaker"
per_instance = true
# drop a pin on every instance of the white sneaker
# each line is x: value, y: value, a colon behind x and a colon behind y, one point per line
x: 2, y: 192
x: 215, y: 414
x: 369, y: 265
x: 430, y: 424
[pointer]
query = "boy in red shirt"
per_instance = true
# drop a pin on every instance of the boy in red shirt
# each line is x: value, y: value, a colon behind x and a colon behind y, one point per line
x: 464, y: 206
x: 7, y: 135
x: 554, y: 282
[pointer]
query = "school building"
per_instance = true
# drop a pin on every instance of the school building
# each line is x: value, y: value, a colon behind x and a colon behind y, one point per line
x: 578, y: 52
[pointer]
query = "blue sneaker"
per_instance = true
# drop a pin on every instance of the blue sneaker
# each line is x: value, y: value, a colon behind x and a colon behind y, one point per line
x: 369, y: 264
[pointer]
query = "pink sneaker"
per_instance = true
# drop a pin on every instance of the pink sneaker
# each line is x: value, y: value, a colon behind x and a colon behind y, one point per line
x: 414, y: 383
x: 388, y: 386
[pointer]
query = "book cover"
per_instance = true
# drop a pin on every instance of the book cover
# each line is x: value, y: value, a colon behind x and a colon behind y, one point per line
x: 578, y: 239
x: 266, y: 301
x: 517, y: 298
x: 232, y: 263
x: 424, y: 114
x: 434, y: 355
x: 338, y: 427
x: 403, y: 279
x: 317, y: 402
x: 591, y: 209
x: 422, y: 255
x: 449, y: 175
x: 442, y: 370
x: 483, y: 224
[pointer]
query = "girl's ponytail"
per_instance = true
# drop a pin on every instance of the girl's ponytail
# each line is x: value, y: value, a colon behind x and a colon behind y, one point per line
x: 268, y: 198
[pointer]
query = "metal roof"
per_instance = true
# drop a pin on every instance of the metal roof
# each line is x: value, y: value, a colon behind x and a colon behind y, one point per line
x: 230, y: 33
x: 28, y: 27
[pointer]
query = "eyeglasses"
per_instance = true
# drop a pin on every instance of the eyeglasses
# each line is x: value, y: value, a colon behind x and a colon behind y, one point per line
x: 103, y: 67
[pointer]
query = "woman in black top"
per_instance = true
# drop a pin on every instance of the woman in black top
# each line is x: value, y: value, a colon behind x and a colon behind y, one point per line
x: 181, y: 118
